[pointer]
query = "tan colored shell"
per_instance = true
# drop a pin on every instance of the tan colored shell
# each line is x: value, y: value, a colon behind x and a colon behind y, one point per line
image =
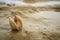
x: 15, y: 25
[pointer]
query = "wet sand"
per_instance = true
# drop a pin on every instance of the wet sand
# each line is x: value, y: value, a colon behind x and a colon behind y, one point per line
x: 39, y: 23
